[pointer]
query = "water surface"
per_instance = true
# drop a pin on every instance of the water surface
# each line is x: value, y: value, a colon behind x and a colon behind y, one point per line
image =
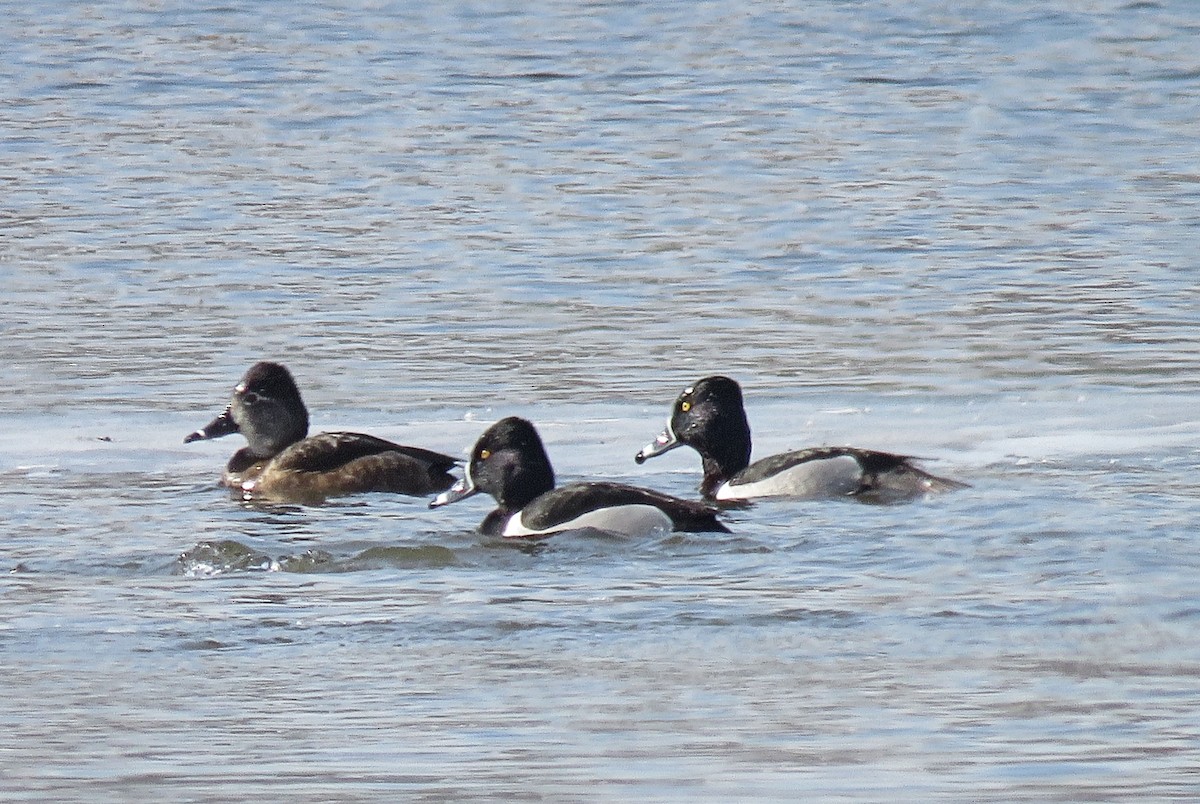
x: 965, y: 234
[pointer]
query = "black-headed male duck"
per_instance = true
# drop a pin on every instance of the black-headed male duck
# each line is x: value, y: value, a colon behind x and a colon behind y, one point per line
x: 510, y: 463
x: 710, y: 418
x: 281, y: 461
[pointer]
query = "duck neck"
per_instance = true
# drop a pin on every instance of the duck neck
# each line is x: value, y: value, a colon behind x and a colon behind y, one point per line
x: 242, y: 460
x: 523, y: 492
x: 493, y: 524
x: 525, y: 481
x: 725, y: 458
x: 733, y: 450
x: 713, y: 478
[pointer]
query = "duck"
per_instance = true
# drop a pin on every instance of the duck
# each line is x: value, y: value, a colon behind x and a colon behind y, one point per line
x: 710, y: 417
x: 510, y: 463
x: 281, y: 461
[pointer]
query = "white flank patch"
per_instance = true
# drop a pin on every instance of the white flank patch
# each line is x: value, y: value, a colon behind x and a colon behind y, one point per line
x: 826, y: 477
x: 629, y: 520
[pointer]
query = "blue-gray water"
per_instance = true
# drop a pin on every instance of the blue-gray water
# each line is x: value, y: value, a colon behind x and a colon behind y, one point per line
x: 969, y: 234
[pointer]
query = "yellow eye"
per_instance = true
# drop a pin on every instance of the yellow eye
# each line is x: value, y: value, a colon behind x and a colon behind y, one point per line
x: 685, y: 406
x: 484, y: 454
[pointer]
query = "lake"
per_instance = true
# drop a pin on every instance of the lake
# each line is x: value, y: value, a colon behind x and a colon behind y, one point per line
x: 965, y: 234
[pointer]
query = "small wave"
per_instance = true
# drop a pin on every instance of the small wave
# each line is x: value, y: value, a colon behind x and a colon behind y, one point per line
x: 218, y: 558
x: 212, y: 558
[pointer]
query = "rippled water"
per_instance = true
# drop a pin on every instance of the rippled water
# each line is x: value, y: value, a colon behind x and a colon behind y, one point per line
x: 964, y: 233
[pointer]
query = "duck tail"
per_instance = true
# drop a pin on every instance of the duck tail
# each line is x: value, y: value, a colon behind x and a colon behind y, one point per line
x: 904, y: 482
x: 938, y: 485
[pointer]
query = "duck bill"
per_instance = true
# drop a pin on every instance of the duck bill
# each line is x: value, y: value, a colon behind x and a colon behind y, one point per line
x: 223, y: 425
x: 461, y: 490
x: 665, y: 442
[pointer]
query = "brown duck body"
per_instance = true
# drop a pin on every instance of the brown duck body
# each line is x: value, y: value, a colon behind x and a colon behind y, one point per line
x: 282, y: 462
x: 335, y: 464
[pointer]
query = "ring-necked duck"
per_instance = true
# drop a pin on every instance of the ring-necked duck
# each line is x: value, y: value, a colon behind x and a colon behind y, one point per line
x: 282, y: 461
x: 710, y: 418
x: 510, y: 463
